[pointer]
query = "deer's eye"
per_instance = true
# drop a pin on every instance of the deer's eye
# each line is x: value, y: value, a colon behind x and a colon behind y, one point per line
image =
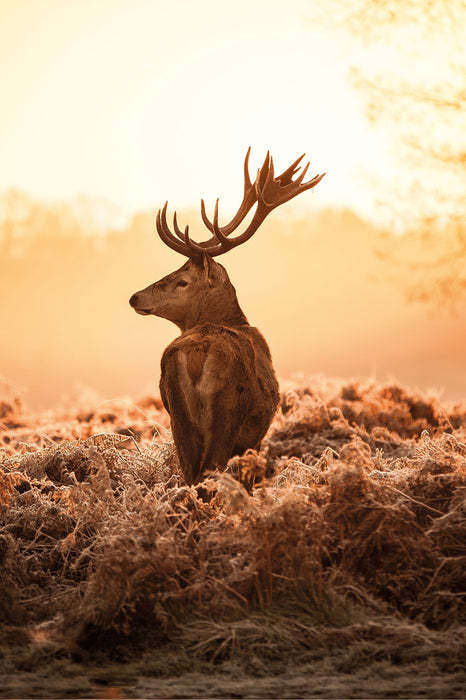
x: 182, y: 283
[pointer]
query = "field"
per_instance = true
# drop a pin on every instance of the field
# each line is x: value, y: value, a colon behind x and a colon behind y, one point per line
x: 332, y: 564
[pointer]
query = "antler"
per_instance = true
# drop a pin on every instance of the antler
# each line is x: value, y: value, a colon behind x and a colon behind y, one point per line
x: 267, y: 191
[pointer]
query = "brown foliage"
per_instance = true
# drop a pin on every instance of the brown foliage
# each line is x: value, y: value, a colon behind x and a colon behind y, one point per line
x: 351, y: 535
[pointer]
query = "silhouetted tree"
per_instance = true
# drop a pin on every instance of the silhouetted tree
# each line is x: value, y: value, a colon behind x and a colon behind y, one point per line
x: 420, y: 99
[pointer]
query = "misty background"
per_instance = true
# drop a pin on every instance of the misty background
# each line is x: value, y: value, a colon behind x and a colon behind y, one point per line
x: 112, y: 107
x: 331, y: 293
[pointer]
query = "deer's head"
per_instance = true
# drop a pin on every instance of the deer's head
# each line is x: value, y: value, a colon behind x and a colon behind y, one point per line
x: 200, y: 291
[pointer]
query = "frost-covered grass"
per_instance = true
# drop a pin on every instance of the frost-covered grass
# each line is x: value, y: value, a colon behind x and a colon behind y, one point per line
x: 342, y: 543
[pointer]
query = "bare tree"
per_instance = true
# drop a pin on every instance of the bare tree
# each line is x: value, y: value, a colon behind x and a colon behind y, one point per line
x: 421, y: 101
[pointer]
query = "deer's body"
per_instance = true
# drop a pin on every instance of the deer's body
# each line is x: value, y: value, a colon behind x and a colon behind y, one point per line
x: 217, y: 380
x: 220, y: 389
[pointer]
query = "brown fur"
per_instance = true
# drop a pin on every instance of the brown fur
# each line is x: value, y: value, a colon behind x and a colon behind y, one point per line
x: 217, y: 381
x: 195, y: 361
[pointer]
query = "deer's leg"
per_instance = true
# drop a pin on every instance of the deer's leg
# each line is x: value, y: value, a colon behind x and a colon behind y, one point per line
x: 218, y: 445
x: 186, y: 434
x: 221, y: 419
x: 205, y: 444
x: 188, y: 442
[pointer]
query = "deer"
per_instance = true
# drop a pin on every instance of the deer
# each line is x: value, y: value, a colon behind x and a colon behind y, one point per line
x: 217, y: 380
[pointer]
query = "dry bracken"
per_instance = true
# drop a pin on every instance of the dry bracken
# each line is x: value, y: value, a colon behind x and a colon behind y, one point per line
x: 347, y: 531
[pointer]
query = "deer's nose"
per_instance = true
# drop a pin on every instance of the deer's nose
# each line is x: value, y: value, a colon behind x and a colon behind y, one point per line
x: 133, y: 300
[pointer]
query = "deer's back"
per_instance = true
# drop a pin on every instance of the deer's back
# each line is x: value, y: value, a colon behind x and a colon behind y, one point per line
x: 213, y: 374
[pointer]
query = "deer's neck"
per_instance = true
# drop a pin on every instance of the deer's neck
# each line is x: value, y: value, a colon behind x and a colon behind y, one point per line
x: 221, y: 309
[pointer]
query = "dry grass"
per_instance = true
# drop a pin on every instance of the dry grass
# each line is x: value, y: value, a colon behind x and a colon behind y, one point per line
x: 345, y: 541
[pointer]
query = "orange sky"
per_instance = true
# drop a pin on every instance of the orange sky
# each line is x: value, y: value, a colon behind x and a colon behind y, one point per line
x: 140, y: 101
x: 148, y: 100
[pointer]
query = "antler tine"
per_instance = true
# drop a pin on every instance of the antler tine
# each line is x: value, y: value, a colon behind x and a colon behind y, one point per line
x: 205, y: 218
x: 247, y: 181
x: 163, y: 230
x: 249, y: 198
x: 195, y: 248
x: 287, y: 175
x: 303, y: 174
x: 261, y: 186
x: 219, y: 243
x: 214, y: 241
x: 178, y: 231
x: 312, y: 183
x: 275, y: 192
x: 263, y: 172
x: 219, y: 235
x: 180, y: 246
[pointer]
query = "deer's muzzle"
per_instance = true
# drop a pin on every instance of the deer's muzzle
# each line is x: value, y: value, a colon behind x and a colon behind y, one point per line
x: 134, y: 303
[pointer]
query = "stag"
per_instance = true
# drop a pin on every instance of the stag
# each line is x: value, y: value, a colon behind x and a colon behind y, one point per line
x: 217, y: 378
